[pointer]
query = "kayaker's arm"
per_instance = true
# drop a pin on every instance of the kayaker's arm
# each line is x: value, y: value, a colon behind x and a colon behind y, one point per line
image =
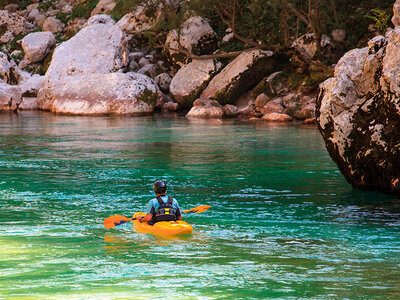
x: 146, y: 218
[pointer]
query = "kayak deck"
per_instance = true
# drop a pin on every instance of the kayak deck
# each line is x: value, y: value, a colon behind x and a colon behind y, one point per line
x: 162, y: 228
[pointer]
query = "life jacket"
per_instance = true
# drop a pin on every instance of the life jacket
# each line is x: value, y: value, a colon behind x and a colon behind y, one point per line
x: 165, y: 211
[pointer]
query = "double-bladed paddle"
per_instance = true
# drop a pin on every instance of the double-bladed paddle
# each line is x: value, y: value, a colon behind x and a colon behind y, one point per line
x: 117, y: 220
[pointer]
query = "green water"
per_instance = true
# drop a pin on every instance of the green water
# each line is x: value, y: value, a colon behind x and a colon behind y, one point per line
x: 283, y: 221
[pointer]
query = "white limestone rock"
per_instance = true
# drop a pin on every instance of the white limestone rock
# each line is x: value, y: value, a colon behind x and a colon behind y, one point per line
x: 103, y: 7
x: 12, y: 24
x: 196, y: 36
x: 191, y: 79
x: 205, y: 109
x: 241, y: 74
x: 10, y: 97
x: 100, y: 94
x: 37, y: 45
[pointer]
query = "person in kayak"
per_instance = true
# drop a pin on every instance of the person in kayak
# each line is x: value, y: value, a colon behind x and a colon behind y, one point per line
x: 163, y: 207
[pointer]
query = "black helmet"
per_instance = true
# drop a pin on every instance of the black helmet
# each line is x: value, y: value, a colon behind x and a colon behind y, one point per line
x: 159, y: 187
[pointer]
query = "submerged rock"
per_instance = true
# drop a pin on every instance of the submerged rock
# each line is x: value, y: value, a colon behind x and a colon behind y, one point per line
x: 358, y: 114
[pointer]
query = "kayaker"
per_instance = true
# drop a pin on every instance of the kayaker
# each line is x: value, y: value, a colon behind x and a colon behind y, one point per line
x: 163, y: 207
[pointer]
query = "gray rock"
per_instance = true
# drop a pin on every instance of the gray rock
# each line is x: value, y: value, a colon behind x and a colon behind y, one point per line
x: 99, y: 94
x: 163, y: 81
x: 358, y: 113
x: 33, y: 14
x: 170, y: 107
x: 243, y: 73
x: 53, y: 24
x: 12, y: 25
x: 143, y: 18
x: 205, y: 109
x: 39, y: 19
x: 143, y: 61
x: 339, y: 35
x: 84, y: 80
x: 136, y: 56
x: 271, y: 107
x: 13, y: 7
x: 31, y: 87
x: 261, y: 100
x: 28, y: 103
x: 107, y: 53
x: 37, y: 45
x: 133, y: 66
x: 230, y: 111
x: 196, y: 36
x: 149, y: 70
x: 10, y: 73
x: 396, y: 13
x: 191, y: 79
x: 100, y: 19
x: 306, y: 45
x: 276, y: 117
x: 103, y: 7
x: 10, y: 97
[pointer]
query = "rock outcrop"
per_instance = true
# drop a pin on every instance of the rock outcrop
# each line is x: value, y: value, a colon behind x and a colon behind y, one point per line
x: 358, y: 114
x: 240, y: 75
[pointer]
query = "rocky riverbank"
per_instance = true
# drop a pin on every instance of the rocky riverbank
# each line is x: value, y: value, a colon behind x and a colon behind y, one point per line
x: 97, y: 66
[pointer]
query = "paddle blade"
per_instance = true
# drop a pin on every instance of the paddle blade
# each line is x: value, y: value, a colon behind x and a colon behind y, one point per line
x: 198, y: 209
x: 116, y: 220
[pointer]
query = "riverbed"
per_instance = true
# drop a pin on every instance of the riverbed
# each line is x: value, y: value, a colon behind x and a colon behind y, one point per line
x: 283, y: 221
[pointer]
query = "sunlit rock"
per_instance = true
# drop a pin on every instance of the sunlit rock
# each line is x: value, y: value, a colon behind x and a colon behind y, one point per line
x: 240, y: 75
x: 205, y: 109
x: 358, y: 114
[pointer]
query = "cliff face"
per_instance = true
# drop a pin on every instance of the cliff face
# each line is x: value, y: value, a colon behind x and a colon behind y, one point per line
x: 358, y: 113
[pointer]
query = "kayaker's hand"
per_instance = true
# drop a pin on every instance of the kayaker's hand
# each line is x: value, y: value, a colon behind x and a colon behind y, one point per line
x: 140, y: 219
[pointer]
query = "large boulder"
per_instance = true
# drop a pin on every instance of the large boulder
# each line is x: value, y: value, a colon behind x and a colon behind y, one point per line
x: 37, y: 45
x: 11, y: 25
x: 358, y: 114
x: 85, y: 75
x: 10, y: 97
x: 240, y: 75
x: 99, y: 94
x: 191, y: 79
x: 97, y: 48
x: 195, y: 36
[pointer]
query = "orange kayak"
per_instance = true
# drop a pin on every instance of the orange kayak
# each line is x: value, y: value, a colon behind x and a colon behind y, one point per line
x: 162, y: 228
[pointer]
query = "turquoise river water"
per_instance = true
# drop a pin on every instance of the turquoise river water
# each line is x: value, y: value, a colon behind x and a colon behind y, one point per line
x: 283, y: 221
